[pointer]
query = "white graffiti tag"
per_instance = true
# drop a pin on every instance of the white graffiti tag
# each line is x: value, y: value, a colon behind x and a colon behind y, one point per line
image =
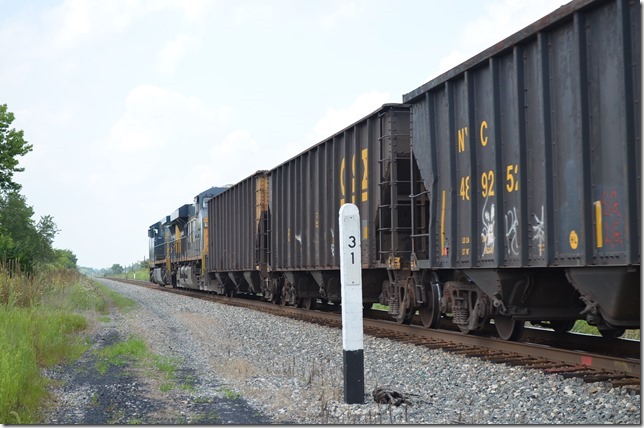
x: 511, y: 235
x: 539, y: 231
x: 487, y: 232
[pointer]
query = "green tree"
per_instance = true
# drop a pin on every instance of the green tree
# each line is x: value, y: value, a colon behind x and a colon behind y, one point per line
x: 20, y: 238
x: 116, y: 269
x: 65, y: 259
x: 12, y: 145
x: 47, y: 231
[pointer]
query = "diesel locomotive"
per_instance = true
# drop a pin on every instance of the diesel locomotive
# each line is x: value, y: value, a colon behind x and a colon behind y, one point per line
x: 178, y: 244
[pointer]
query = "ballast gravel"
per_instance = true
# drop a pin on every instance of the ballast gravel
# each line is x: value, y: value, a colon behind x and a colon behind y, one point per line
x: 246, y: 367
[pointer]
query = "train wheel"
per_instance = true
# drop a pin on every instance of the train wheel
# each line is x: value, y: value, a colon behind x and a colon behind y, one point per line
x: 405, y: 318
x: 464, y: 328
x: 610, y: 332
x: 430, y: 314
x: 309, y: 303
x: 289, y: 296
x: 562, y: 326
x: 275, y: 292
x: 285, y: 294
x: 406, y: 311
x: 507, y: 328
x: 293, y: 298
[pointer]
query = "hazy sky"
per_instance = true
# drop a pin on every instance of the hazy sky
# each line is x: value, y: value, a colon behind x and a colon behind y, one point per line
x: 134, y: 106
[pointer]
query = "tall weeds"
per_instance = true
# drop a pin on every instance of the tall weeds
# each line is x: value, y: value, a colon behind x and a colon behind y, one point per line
x: 36, y: 330
x: 16, y: 287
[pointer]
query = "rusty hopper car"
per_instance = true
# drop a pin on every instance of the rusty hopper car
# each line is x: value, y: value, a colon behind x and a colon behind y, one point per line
x: 366, y: 164
x: 527, y: 196
x: 238, y: 237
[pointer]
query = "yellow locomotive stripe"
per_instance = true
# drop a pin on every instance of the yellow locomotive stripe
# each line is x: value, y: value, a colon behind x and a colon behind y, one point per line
x: 598, y: 224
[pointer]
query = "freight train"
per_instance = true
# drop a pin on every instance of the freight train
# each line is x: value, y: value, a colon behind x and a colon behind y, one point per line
x: 505, y: 190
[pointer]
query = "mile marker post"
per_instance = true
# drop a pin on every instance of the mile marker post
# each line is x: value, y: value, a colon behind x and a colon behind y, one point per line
x: 351, y: 294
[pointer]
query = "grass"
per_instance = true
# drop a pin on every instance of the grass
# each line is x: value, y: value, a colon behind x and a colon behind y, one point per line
x: 584, y: 327
x: 168, y: 367
x: 120, y: 353
x: 229, y: 393
x: 134, y: 350
x: 138, y: 274
x: 43, y: 317
x: 21, y: 387
x: 43, y: 320
x: 38, y: 328
x: 166, y: 387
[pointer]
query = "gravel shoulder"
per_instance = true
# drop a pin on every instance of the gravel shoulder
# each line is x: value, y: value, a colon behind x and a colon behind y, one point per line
x: 135, y: 393
x: 236, y: 366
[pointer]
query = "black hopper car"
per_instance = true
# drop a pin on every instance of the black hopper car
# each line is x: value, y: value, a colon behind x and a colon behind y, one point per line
x: 506, y: 190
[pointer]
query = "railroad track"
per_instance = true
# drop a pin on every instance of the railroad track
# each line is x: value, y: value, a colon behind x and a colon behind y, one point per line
x: 590, y: 358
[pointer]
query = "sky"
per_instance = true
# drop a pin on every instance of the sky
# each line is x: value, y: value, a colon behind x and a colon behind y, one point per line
x: 133, y: 107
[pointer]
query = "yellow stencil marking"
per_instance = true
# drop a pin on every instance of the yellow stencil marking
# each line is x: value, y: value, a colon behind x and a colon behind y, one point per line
x: 365, y: 175
x: 598, y: 224
x: 574, y: 240
x: 483, y: 137
x: 462, y: 133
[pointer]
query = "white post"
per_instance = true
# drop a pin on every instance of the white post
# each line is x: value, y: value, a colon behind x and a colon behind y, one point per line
x: 351, y: 294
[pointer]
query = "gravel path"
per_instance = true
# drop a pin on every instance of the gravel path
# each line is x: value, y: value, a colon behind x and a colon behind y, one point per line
x: 244, y: 367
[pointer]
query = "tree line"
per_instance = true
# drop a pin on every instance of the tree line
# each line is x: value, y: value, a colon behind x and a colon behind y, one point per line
x: 117, y: 269
x: 23, y: 240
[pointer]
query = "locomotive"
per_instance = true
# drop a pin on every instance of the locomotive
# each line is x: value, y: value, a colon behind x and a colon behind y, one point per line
x: 505, y: 190
x: 178, y: 244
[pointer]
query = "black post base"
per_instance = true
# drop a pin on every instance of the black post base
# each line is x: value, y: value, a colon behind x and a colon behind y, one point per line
x: 354, y: 376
